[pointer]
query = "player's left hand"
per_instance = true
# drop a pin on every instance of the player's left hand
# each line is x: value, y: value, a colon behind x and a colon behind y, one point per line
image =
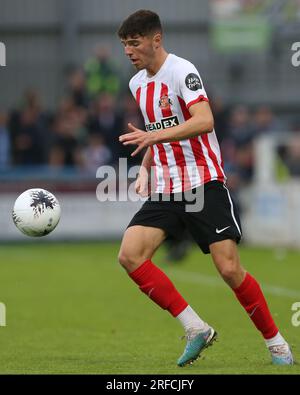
x: 137, y: 137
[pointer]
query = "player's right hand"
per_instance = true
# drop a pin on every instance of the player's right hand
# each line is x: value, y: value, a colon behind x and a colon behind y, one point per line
x: 142, y: 186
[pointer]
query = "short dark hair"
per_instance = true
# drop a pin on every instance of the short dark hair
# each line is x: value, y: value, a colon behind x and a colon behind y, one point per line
x: 142, y: 23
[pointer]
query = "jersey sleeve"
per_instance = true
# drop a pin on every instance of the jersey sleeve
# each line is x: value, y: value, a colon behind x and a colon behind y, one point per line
x: 132, y: 87
x: 190, y: 85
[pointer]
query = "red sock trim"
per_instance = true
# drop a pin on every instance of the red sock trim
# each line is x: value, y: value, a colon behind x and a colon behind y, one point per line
x: 139, y: 272
x: 158, y: 287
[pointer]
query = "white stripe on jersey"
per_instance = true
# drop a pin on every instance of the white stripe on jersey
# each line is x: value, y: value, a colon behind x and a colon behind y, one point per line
x: 210, y: 165
x: 143, y: 97
x: 177, y: 187
x: 160, y: 181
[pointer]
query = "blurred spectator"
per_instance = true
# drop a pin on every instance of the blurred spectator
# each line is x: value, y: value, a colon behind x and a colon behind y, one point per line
x: 77, y: 88
x: 4, y: 142
x: 102, y: 75
x: 237, y: 151
x: 69, y: 134
x: 240, y: 127
x: 220, y: 117
x: 65, y: 147
x: 77, y: 117
x: 29, y: 131
x: 28, y: 138
x: 245, y: 163
x: 240, y: 133
x: 107, y: 123
x: 130, y: 114
x: 96, y: 153
x: 266, y: 122
x: 31, y: 99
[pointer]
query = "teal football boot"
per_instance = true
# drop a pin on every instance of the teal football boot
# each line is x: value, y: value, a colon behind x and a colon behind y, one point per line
x: 195, y: 345
x: 281, y: 355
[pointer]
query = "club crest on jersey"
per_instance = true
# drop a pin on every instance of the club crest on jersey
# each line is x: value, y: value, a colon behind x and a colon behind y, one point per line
x: 165, y: 102
x: 164, y: 123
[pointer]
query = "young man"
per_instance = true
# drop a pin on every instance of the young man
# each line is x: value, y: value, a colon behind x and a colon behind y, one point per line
x: 171, y: 96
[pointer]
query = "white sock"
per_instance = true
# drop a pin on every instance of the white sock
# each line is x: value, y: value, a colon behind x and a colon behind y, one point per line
x: 277, y: 340
x: 190, y: 320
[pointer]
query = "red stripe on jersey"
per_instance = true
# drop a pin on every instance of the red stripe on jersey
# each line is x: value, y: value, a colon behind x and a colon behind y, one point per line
x: 138, y: 96
x: 212, y: 156
x: 176, y: 147
x: 149, y: 101
x: 196, y: 146
x: 161, y: 151
x: 198, y: 100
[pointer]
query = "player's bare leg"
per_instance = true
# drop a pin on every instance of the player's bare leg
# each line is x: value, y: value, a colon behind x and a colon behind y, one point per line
x: 138, y: 245
x: 248, y: 292
x: 137, y: 249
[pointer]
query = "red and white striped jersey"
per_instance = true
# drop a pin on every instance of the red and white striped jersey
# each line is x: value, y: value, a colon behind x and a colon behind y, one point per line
x: 164, y: 100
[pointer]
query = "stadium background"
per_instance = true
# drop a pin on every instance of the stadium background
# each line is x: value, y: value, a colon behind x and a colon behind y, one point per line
x: 63, y: 102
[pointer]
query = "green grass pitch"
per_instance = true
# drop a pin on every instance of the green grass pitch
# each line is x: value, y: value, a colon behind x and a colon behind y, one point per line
x: 70, y: 308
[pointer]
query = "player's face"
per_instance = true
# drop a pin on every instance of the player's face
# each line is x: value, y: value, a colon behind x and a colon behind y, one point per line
x: 140, y: 50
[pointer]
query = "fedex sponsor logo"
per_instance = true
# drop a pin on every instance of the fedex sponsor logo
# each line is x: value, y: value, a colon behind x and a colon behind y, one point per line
x: 164, y: 123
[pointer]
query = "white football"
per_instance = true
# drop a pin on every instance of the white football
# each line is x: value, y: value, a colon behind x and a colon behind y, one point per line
x: 36, y: 212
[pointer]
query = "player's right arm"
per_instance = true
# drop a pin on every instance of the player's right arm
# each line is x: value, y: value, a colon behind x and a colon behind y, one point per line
x: 147, y: 160
x: 142, y: 186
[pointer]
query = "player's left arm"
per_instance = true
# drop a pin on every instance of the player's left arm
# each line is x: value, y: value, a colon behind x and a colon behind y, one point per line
x: 191, y: 90
x: 201, y: 121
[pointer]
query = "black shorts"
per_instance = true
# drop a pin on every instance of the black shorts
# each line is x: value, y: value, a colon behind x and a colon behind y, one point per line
x: 217, y: 220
